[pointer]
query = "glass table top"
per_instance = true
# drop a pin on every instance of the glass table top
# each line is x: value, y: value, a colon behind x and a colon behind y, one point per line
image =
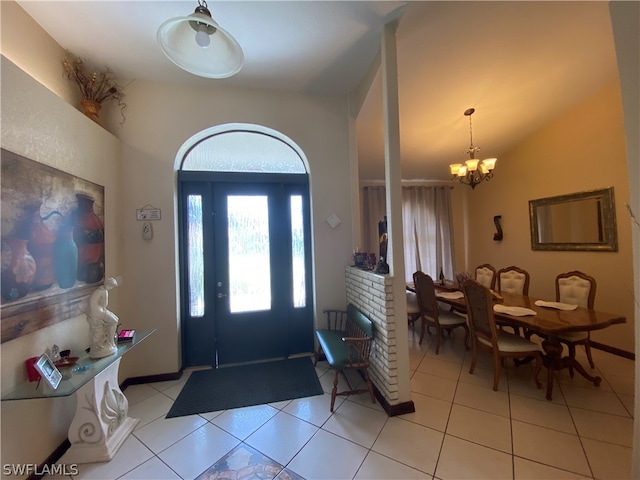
x: 76, y: 375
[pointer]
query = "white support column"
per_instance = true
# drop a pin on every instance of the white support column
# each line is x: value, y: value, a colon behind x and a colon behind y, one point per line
x: 393, y: 181
x: 101, y: 423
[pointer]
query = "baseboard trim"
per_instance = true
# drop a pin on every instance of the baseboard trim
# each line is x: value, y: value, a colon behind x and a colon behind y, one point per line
x: 614, y: 350
x: 51, y: 460
x: 394, y: 410
x: 162, y: 377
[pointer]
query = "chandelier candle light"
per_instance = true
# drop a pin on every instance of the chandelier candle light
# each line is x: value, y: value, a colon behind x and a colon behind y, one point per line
x: 473, y: 171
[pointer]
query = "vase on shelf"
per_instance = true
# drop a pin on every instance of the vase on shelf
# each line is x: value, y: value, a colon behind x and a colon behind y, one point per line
x: 88, y: 235
x: 18, y: 268
x: 91, y: 109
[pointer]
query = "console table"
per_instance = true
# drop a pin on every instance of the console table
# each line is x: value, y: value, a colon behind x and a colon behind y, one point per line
x: 101, y: 423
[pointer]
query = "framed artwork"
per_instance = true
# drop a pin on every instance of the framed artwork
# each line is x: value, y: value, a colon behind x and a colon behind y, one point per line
x: 52, y: 245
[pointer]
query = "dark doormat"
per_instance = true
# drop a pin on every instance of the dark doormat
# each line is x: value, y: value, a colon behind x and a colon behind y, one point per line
x: 245, y: 385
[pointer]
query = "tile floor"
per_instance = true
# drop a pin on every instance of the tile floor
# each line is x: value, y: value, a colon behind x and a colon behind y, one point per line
x: 461, y: 429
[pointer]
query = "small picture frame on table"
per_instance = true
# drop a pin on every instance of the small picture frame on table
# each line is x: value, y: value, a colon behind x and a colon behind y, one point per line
x: 48, y: 371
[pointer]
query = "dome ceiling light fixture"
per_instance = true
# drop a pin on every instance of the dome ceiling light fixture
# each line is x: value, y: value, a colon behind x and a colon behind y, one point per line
x: 472, y: 171
x: 197, y: 44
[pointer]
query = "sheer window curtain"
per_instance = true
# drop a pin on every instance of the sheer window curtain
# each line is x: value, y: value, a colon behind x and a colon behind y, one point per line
x: 428, y: 227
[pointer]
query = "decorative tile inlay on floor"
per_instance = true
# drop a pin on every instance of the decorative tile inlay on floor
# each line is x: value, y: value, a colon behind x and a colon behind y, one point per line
x: 246, y: 463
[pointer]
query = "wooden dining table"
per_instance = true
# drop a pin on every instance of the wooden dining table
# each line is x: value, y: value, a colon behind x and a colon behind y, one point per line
x: 549, y: 323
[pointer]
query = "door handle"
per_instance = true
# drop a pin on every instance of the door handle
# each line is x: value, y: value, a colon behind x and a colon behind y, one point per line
x: 222, y: 295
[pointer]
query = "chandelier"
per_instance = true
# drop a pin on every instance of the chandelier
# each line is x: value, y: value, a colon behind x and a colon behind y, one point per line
x: 472, y: 171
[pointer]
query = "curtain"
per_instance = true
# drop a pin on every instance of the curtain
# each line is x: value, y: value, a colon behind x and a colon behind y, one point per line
x: 427, y: 228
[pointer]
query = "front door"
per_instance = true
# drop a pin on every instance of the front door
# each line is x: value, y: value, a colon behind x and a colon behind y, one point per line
x: 247, y: 283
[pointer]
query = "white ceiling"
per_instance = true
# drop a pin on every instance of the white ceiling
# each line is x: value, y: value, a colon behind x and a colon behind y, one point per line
x: 519, y: 64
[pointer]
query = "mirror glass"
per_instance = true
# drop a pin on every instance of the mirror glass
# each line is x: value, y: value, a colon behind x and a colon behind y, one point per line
x: 577, y: 221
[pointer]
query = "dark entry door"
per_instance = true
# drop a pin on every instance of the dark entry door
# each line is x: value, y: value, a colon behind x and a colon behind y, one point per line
x: 254, y: 267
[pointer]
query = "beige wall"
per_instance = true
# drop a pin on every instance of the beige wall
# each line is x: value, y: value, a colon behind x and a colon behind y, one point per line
x: 160, y: 119
x: 39, y: 125
x: 583, y: 149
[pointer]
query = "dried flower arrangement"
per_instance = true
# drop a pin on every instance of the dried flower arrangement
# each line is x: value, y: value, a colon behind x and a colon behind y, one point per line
x: 95, y: 87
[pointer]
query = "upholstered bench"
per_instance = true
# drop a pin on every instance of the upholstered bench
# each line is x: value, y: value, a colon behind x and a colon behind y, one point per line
x: 346, y: 344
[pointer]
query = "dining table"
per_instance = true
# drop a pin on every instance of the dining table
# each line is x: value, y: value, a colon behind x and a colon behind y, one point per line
x: 548, y: 319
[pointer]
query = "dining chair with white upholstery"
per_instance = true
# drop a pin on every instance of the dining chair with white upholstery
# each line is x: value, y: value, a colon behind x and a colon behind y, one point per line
x: 413, y: 311
x: 576, y: 288
x: 486, y: 275
x: 485, y: 333
x: 431, y: 315
x: 513, y: 280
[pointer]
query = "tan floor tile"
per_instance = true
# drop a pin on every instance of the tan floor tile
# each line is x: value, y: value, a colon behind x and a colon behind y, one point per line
x: 483, y: 373
x: 528, y: 470
x: 430, y: 412
x: 543, y: 413
x: 590, y: 399
x: 608, y: 363
x: 356, y: 423
x: 621, y: 384
x: 480, y: 427
x: 629, y: 402
x: 601, y: 426
x: 440, y: 368
x: 482, y: 398
x: 433, y: 386
x: 550, y: 447
x: 328, y: 456
x: 137, y: 393
x: 578, y: 380
x: 291, y: 434
x: 608, y: 460
x: 451, y: 348
x: 410, y: 444
x: 465, y: 460
x: 314, y: 410
x: 379, y: 467
x: 414, y: 360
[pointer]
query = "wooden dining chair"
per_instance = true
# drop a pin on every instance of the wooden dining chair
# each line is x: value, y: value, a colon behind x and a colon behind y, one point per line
x: 513, y: 280
x: 486, y: 335
x: 413, y: 311
x: 432, y: 315
x: 485, y: 274
x: 576, y: 288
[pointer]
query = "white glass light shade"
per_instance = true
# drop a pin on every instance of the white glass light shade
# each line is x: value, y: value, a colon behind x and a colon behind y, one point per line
x: 455, y: 167
x: 222, y: 58
x: 462, y: 171
x: 472, y: 164
x: 489, y: 163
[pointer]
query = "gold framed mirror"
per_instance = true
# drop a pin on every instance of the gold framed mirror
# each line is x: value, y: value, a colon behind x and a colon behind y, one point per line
x: 584, y: 221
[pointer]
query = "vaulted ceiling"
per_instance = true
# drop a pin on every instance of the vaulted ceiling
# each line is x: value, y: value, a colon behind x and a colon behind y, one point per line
x: 519, y: 64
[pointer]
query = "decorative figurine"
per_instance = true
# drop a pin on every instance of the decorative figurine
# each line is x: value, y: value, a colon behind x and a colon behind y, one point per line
x: 102, y: 322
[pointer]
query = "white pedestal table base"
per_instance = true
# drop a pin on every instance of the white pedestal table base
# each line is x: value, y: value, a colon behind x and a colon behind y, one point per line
x: 101, y: 424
